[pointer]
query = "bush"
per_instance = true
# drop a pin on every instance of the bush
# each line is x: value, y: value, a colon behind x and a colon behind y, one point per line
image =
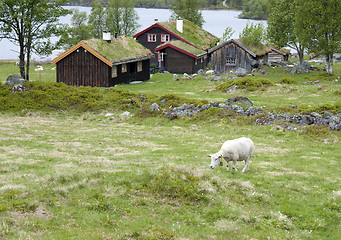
x: 315, y: 132
x: 287, y: 80
x: 178, y: 185
x: 248, y: 83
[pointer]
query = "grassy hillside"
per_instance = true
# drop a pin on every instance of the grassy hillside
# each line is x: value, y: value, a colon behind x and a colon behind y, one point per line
x: 69, y: 172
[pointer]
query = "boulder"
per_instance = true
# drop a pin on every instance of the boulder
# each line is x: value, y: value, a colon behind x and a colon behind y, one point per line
x: 240, y: 101
x: 304, y: 67
x: 254, y: 63
x: 154, y: 107
x: 209, y: 72
x: 15, y: 79
x: 241, y: 71
x: 201, y: 72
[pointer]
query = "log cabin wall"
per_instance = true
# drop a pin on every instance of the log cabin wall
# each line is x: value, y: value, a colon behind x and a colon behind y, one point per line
x: 177, y: 62
x: 237, y: 58
x: 81, y: 68
x: 131, y: 74
x: 274, y: 57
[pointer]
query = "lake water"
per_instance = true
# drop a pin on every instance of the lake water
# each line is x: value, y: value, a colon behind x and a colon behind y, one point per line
x: 215, y: 22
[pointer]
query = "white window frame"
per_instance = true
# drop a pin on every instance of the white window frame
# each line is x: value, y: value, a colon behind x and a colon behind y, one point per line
x: 151, y: 37
x: 230, y: 61
x: 165, y: 37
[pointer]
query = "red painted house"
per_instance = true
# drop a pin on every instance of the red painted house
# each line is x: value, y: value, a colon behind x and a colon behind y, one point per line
x: 177, y: 43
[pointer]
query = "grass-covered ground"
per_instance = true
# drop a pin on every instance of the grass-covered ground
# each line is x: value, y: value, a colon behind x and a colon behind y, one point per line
x: 69, y: 172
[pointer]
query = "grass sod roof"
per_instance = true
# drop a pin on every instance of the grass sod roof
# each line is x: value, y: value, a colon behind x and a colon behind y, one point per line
x: 258, y: 49
x: 184, y: 46
x: 192, y: 33
x: 119, y: 50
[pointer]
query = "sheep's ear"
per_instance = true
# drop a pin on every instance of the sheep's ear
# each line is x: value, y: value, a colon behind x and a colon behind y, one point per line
x: 209, y: 155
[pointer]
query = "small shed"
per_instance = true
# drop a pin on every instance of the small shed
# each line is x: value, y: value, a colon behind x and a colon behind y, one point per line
x: 277, y: 56
x: 180, y: 57
x: 103, y: 63
x: 233, y: 54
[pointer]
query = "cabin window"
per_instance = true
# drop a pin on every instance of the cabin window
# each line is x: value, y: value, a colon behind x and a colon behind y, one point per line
x: 230, y: 61
x: 124, y: 68
x: 151, y: 38
x: 139, y: 66
x: 114, y: 71
x: 165, y: 37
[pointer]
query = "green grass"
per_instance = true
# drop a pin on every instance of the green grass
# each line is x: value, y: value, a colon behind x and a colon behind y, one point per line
x: 91, y: 177
x: 69, y: 172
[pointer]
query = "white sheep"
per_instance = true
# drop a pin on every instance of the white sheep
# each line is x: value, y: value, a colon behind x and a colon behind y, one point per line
x: 234, y: 150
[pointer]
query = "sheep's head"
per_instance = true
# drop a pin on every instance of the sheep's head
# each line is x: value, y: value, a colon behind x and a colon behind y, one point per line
x: 216, y: 159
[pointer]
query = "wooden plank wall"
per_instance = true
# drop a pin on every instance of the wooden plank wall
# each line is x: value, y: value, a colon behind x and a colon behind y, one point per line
x: 177, y: 62
x: 218, y: 59
x: 81, y: 68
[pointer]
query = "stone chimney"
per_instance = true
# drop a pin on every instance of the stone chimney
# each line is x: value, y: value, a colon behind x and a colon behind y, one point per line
x: 107, y: 36
x: 180, y: 25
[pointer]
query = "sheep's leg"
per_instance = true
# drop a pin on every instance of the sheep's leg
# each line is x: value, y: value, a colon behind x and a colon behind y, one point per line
x: 246, y: 167
x: 234, y: 165
x: 227, y: 165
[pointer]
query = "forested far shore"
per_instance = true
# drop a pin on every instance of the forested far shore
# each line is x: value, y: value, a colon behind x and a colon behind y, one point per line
x: 251, y: 9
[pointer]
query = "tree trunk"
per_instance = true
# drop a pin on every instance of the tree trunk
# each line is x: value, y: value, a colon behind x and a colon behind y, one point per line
x: 329, y: 64
x: 22, y: 60
x: 300, y: 52
x: 28, y: 63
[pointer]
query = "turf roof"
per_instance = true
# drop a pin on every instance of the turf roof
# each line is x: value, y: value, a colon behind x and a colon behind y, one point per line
x: 259, y: 49
x: 119, y: 50
x: 192, y: 33
x: 184, y: 46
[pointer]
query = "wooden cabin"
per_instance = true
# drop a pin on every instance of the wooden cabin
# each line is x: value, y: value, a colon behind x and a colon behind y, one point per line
x: 157, y: 35
x: 233, y: 54
x: 277, y: 56
x: 103, y: 63
x: 180, y: 57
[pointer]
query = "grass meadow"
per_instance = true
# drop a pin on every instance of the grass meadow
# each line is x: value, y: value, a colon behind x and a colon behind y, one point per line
x: 82, y: 175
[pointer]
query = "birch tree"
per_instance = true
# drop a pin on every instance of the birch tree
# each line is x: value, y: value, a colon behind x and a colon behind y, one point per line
x: 30, y: 24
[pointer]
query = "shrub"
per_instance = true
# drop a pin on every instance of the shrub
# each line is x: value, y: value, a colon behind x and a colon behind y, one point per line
x: 287, y: 80
x: 248, y: 83
x: 178, y: 185
x: 315, y: 132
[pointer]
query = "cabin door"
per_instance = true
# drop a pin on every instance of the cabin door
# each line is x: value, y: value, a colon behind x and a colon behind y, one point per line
x: 133, y: 72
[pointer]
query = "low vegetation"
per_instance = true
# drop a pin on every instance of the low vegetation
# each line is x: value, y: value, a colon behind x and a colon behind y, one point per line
x: 68, y: 171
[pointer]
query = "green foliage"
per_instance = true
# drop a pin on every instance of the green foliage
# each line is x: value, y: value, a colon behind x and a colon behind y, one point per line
x: 248, y: 83
x: 30, y: 25
x: 58, y: 96
x: 227, y: 34
x: 253, y: 34
x: 287, y: 80
x: 178, y: 185
x: 121, y: 18
x: 187, y: 9
x: 97, y: 19
x: 255, y: 9
x: 315, y: 132
x: 281, y: 26
x: 78, y: 31
x: 318, y: 24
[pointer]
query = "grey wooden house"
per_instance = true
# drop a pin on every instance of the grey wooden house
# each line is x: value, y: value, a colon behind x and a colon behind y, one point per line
x: 233, y: 54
